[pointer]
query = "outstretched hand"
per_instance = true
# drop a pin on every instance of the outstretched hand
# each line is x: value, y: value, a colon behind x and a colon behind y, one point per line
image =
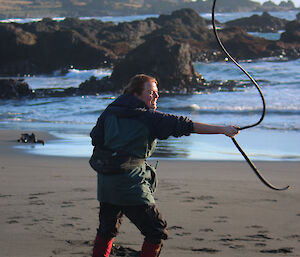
x: 231, y: 130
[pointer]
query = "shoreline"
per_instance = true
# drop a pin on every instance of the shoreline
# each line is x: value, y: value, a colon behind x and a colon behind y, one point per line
x: 260, y: 147
x: 213, y: 208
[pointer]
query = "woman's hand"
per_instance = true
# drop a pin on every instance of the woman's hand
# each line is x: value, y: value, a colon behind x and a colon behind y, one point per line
x: 231, y: 130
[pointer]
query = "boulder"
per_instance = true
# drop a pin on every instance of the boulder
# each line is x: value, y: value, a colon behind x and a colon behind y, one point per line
x: 168, y: 61
x: 11, y: 89
x: 292, y: 33
x: 259, y: 23
x: 289, y: 5
x: 182, y: 25
x: 242, y: 45
x: 94, y: 86
x: 161, y: 57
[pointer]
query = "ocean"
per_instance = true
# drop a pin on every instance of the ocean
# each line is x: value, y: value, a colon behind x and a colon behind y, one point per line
x: 71, y: 119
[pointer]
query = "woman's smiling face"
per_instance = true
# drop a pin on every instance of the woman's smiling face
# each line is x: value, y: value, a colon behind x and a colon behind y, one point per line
x: 149, y: 95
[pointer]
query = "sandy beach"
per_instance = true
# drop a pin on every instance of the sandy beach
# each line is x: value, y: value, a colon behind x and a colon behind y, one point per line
x: 48, y: 207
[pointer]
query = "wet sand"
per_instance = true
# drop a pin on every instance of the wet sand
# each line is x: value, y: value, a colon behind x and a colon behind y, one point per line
x: 48, y: 207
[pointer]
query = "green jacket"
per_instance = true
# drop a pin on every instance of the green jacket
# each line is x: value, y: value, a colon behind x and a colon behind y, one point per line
x: 128, y: 126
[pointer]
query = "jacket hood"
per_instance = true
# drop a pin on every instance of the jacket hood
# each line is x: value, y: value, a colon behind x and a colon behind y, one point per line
x: 127, y: 105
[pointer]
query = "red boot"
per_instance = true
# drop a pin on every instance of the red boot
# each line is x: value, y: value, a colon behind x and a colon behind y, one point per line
x: 150, y: 250
x: 102, y: 247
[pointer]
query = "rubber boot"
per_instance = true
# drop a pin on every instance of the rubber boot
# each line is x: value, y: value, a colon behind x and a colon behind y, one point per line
x: 102, y: 246
x: 150, y: 250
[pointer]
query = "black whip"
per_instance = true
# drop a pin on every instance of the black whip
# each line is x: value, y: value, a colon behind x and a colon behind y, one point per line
x: 263, y: 180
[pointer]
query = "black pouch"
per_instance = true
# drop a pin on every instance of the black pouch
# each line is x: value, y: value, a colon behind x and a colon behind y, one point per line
x: 110, y: 162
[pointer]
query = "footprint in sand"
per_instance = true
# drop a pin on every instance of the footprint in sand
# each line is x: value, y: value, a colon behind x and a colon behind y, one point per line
x: 58, y: 251
x: 293, y: 237
x: 280, y: 250
x: 199, y: 239
x: 37, y: 202
x: 254, y: 226
x: 267, y: 200
x: 198, y: 210
x: 5, y: 195
x: 221, y: 219
x: 260, y: 236
x: 260, y: 245
x: 75, y: 218
x: 67, y: 225
x: 80, y: 242
x: 183, y: 234
x: 236, y: 246
x: 12, y: 222
x: 206, y: 230
x: 41, y: 193
x: 83, y: 229
x: 182, y: 192
x: 175, y: 228
x: 89, y: 199
x: 66, y: 204
x: 79, y: 190
x: 200, y: 198
x: 205, y: 250
x: 33, y: 197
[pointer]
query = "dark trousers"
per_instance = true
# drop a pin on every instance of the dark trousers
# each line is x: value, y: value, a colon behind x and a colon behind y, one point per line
x: 146, y: 218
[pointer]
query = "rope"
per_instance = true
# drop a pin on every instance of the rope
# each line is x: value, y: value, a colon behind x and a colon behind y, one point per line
x: 256, y: 171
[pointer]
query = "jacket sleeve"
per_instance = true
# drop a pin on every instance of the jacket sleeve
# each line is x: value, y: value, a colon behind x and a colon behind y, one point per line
x: 97, y: 133
x: 165, y: 125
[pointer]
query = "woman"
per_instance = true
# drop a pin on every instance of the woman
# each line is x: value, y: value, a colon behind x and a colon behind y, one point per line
x: 124, y: 137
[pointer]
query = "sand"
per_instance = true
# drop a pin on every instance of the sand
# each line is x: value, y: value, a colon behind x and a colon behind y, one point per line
x: 48, y: 207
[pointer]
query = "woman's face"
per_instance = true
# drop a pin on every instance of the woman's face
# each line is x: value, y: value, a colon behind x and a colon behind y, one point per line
x: 149, y: 95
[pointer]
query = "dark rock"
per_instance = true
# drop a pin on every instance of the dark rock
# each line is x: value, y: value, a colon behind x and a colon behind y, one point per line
x: 259, y: 23
x: 270, y: 6
x: 27, y: 138
x: 168, y: 61
x: 287, y: 5
x: 47, y: 45
x: 292, y: 33
x: 242, y: 45
x: 183, y: 25
x: 10, y: 89
x: 95, y: 86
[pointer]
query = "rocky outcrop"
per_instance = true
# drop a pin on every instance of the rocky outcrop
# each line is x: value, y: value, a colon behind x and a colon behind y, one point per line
x: 292, y: 33
x: 12, y: 89
x: 92, y: 8
x: 47, y: 46
x: 163, y: 58
x: 259, y: 23
x: 270, y: 6
x: 168, y: 61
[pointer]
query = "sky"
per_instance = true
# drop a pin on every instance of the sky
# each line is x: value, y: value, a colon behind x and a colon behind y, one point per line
x: 296, y: 2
